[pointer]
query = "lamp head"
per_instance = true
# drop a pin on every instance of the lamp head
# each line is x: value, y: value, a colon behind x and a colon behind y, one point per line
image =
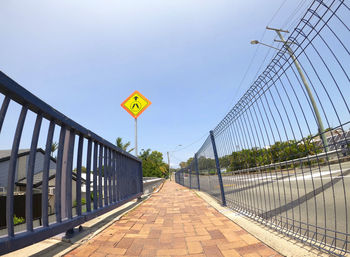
x: 254, y: 42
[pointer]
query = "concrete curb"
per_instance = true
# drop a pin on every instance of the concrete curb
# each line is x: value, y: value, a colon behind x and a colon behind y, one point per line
x: 279, y: 242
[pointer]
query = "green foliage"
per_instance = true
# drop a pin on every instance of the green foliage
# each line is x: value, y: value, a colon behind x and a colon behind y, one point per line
x: 152, y: 164
x: 189, y: 161
x: 54, y: 147
x: 83, y: 169
x: 123, y: 146
x: 18, y: 220
x: 83, y: 201
x: 278, y: 152
x: 92, y: 195
x: 250, y: 158
x: 183, y: 164
x: 206, y: 163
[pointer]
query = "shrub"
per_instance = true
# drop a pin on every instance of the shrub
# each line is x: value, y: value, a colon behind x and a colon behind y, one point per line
x: 18, y: 220
x: 83, y: 201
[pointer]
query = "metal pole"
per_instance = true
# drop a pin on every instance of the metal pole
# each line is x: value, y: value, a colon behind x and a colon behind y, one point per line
x: 218, y: 168
x: 197, y: 171
x: 64, y: 175
x: 136, y: 137
x: 169, y: 165
x: 308, y: 90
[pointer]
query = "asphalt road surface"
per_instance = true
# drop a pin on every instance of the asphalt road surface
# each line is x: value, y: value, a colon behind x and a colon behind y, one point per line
x: 313, y: 201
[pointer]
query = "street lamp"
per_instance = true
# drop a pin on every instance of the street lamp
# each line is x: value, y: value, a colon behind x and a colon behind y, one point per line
x: 169, y: 160
x: 255, y: 42
x: 303, y: 78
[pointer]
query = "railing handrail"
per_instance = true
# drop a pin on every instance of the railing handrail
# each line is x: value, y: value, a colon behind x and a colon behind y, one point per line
x: 22, y: 96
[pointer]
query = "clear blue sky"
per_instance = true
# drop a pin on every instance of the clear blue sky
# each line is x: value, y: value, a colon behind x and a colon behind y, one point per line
x: 189, y: 57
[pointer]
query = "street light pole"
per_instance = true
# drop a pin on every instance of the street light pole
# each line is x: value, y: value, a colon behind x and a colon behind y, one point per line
x: 169, y: 159
x: 169, y: 165
x: 306, y: 84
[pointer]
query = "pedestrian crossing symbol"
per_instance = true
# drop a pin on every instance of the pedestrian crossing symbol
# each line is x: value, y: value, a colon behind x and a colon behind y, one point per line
x: 135, y: 104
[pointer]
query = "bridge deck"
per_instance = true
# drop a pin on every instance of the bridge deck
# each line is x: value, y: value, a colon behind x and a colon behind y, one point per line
x: 174, y: 222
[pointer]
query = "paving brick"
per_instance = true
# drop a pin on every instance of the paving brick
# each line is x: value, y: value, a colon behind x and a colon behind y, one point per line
x: 178, y: 243
x: 125, y: 243
x: 174, y: 222
x: 212, y: 250
x: 230, y: 253
x: 86, y: 250
x: 201, y: 231
x: 252, y: 255
x: 148, y: 252
x: 266, y: 252
x: 194, y: 247
x: 249, y: 248
x: 214, y: 242
x: 249, y: 239
x: 134, y: 249
x: 197, y: 238
x: 111, y: 250
x: 227, y: 246
x: 98, y: 254
x: 238, y: 244
x: 178, y: 252
x: 216, y: 234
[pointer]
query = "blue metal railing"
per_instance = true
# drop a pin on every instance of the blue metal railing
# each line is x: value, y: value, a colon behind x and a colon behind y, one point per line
x: 116, y: 174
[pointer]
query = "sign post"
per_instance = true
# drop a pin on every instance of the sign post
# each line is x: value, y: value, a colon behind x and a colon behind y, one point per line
x: 136, y: 104
x: 136, y: 137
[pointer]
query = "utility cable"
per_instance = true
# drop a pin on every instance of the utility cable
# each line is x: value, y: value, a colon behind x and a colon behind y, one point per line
x: 196, y: 141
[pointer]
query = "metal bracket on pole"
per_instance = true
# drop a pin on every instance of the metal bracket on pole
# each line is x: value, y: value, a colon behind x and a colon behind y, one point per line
x: 218, y: 168
x: 279, y: 30
x: 197, y: 171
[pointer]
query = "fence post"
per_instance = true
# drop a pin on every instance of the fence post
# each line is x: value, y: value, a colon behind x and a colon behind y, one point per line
x: 218, y: 168
x: 190, y: 174
x: 197, y: 171
x: 182, y: 178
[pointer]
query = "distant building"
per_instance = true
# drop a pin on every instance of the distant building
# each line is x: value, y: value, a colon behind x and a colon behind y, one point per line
x: 337, y: 139
x: 21, y: 173
x: 21, y: 167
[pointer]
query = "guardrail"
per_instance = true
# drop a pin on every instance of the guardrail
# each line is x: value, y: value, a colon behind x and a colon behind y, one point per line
x: 116, y: 179
x: 299, y: 161
x: 150, y: 184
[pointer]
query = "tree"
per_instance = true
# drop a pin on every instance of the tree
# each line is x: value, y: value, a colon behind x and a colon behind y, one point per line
x: 54, y: 147
x: 123, y: 146
x: 152, y: 164
x: 189, y: 161
x: 83, y: 169
x: 183, y: 164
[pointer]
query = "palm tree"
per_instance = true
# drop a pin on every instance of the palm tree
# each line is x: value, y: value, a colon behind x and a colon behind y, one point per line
x: 54, y: 147
x: 123, y: 146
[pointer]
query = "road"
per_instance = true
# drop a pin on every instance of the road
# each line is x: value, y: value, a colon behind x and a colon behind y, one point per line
x: 311, y: 201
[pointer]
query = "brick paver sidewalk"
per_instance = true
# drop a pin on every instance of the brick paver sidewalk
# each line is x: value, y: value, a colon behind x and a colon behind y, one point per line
x: 174, y: 222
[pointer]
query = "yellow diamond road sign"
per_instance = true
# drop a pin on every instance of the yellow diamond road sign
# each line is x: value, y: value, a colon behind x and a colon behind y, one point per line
x: 135, y: 104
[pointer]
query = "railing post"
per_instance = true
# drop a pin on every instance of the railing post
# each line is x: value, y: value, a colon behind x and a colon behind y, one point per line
x: 197, y: 171
x: 182, y: 177
x: 218, y: 168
